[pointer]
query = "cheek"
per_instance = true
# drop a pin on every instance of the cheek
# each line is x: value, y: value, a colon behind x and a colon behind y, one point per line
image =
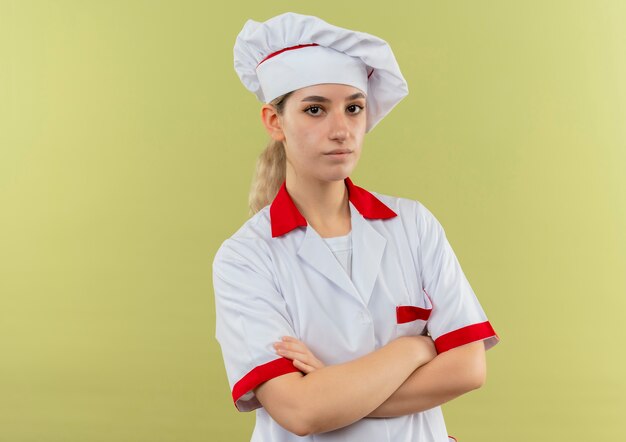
x: 301, y: 132
x: 303, y: 145
x: 307, y: 139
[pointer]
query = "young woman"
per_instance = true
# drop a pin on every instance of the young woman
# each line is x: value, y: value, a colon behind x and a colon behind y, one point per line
x: 342, y: 314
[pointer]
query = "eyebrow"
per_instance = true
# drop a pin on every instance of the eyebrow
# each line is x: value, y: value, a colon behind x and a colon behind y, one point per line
x: 326, y: 100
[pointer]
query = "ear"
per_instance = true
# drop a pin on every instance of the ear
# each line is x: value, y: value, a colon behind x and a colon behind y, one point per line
x: 272, y: 122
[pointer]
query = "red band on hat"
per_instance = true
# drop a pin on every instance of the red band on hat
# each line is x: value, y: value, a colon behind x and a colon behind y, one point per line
x: 273, y: 54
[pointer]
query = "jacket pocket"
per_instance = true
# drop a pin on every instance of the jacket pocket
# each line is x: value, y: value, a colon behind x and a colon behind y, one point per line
x: 412, y: 320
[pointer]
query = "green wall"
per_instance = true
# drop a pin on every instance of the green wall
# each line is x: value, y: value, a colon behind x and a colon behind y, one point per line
x: 127, y: 145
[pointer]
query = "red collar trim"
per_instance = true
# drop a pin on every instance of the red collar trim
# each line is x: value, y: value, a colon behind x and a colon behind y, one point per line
x: 285, y: 216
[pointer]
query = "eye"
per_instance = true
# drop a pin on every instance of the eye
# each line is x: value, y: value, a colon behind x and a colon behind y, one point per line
x: 355, y: 109
x: 315, y: 110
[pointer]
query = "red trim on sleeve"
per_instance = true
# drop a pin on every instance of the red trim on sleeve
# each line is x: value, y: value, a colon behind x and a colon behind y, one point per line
x: 260, y: 374
x: 408, y: 313
x: 464, y: 335
x: 452, y: 437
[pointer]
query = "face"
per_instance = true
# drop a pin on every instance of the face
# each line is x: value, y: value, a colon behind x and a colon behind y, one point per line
x: 322, y: 128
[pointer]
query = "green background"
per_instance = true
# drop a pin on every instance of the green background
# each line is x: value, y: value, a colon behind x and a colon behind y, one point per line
x: 127, y: 146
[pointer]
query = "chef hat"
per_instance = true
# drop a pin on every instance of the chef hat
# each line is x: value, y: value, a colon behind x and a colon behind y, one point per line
x: 291, y: 51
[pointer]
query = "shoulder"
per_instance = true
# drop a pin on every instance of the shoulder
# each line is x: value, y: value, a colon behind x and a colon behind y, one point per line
x: 408, y: 209
x: 249, y: 244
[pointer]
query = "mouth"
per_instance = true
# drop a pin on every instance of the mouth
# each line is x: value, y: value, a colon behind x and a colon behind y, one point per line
x: 339, y: 152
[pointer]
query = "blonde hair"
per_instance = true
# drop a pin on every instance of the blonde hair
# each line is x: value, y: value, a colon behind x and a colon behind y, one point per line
x: 270, y: 168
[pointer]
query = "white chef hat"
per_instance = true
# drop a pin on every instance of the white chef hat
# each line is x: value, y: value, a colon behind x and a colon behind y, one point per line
x: 291, y: 51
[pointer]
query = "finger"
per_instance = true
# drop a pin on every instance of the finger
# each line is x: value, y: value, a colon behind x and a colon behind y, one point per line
x: 291, y: 342
x: 302, y: 366
x: 302, y: 357
x: 291, y: 354
x: 290, y: 339
x: 300, y: 348
x: 310, y: 360
x: 313, y: 362
x: 292, y: 346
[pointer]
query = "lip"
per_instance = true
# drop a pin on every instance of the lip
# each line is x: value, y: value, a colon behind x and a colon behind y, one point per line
x: 339, y: 152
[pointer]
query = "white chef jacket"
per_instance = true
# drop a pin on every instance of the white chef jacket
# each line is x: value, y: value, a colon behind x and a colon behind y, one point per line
x: 275, y: 276
x: 341, y: 246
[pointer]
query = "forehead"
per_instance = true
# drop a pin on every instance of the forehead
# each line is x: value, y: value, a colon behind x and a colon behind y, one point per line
x: 331, y: 91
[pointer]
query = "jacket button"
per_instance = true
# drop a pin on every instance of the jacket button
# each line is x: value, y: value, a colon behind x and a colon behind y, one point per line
x: 365, y: 317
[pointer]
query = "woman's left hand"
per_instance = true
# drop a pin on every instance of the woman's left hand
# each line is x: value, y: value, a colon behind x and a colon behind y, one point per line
x: 294, y: 349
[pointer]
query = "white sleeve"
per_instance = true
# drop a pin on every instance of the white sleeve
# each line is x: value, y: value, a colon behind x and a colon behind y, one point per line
x: 457, y: 318
x: 251, y: 315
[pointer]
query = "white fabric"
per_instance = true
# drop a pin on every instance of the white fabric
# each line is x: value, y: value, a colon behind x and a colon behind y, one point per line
x: 309, y: 65
x: 268, y: 287
x: 341, y: 246
x: 385, y: 88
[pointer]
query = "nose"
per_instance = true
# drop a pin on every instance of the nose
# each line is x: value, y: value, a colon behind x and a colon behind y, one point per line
x: 339, y: 128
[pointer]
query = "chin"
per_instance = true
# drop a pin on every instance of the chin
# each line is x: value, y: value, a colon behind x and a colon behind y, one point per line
x: 340, y: 175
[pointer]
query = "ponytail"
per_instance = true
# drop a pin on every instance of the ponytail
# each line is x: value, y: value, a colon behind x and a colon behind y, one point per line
x: 270, y: 170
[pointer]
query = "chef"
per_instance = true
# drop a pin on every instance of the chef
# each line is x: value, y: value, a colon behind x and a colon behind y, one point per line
x: 367, y: 282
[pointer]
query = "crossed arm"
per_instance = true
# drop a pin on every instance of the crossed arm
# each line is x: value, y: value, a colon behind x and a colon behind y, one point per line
x: 403, y: 377
x: 447, y: 376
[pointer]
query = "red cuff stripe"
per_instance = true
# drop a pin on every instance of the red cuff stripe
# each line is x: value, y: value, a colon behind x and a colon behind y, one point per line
x: 464, y: 335
x: 260, y: 374
x: 408, y: 313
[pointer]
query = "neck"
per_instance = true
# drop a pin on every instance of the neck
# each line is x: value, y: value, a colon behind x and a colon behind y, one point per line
x: 324, y: 204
